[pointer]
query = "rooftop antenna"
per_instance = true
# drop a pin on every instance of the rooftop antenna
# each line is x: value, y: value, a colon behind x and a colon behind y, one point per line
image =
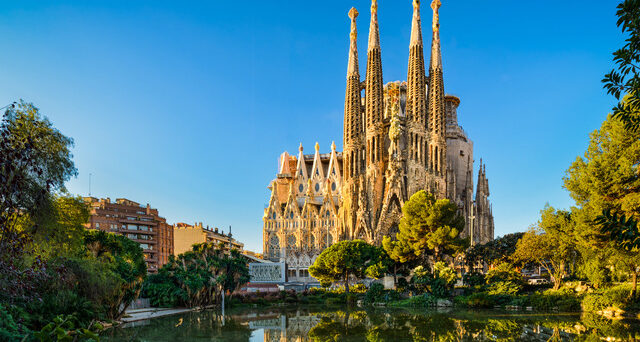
x: 89, y: 184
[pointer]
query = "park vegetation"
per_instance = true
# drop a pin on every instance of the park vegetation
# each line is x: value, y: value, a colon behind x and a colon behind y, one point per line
x: 589, y: 253
x: 58, y: 280
x: 197, y: 278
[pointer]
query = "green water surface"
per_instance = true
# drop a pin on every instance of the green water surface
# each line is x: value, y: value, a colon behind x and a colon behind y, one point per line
x: 319, y: 323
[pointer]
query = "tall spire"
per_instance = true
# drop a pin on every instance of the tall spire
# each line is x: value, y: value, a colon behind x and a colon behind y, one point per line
x: 416, y: 80
x: 374, y: 34
x: 436, y: 115
x: 374, y: 88
x: 352, y: 105
x: 352, y: 68
x: 436, y: 58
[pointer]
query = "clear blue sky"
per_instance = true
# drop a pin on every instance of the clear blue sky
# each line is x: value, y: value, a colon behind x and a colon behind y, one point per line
x: 187, y: 105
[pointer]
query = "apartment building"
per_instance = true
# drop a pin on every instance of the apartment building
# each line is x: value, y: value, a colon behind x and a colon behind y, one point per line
x: 186, y: 235
x: 140, y: 223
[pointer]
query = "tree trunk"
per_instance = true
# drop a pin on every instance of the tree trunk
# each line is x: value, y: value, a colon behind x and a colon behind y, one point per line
x: 346, y: 282
x: 635, y: 284
x: 395, y: 275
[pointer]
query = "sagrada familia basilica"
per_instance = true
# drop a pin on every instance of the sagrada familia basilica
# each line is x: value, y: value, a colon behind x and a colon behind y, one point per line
x: 399, y: 138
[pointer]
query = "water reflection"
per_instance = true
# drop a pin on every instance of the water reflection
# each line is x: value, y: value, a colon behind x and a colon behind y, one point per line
x: 320, y: 324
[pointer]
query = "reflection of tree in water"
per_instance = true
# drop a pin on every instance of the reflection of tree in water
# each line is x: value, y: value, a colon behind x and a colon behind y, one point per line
x: 323, y: 325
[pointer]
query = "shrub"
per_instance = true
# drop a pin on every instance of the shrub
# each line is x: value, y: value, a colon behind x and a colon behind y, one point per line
x: 553, y: 300
x: 617, y: 297
x: 375, y: 293
x: 10, y: 329
x: 402, y: 285
x: 64, y: 302
x: 473, y: 279
x: 424, y: 300
x: 504, y: 279
x: 476, y: 300
x: 62, y: 328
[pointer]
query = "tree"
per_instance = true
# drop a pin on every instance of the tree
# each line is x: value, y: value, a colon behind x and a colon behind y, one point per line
x: 551, y: 244
x: 624, y: 82
x: 35, y: 161
x: 125, y: 258
x: 198, y: 277
x: 606, y: 185
x: 428, y: 227
x: 347, y: 259
x: 62, y: 227
x: 504, y: 279
x: 495, y: 251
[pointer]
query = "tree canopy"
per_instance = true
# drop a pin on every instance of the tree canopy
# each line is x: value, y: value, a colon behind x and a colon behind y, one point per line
x: 550, y: 245
x: 197, y: 277
x: 428, y: 227
x: 623, y: 82
x: 495, y: 251
x: 347, y: 259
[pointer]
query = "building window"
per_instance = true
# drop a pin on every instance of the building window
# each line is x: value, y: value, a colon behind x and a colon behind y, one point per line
x: 132, y: 227
x: 145, y: 228
x: 97, y: 225
x: 333, y: 186
x: 317, y: 187
x: 300, y: 187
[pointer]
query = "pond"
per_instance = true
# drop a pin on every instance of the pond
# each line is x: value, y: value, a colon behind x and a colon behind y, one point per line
x: 310, y: 323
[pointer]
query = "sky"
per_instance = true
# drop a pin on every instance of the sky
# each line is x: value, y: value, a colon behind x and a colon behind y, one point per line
x: 187, y: 105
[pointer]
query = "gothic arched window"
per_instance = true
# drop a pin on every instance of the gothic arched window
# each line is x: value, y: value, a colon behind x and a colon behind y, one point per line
x: 291, y: 241
x: 274, y: 246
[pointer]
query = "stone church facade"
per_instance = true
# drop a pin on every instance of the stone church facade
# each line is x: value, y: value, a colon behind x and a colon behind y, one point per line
x: 399, y: 138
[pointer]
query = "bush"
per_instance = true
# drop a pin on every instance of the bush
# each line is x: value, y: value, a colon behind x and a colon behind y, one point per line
x: 62, y: 328
x: 553, y: 300
x: 504, y: 279
x: 402, y: 285
x: 616, y: 297
x: 476, y: 300
x: 375, y: 293
x: 65, y: 302
x: 474, y: 279
x: 10, y: 329
x: 424, y: 300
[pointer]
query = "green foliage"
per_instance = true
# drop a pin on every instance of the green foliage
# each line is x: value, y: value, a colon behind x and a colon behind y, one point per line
x: 197, y: 277
x: 478, y: 300
x: 474, y: 279
x: 551, y: 245
x: 605, y: 183
x: 439, y: 283
x: 444, y: 272
x: 63, y: 302
x: 62, y: 328
x: 126, y: 260
x: 349, y: 259
x: 428, y: 227
x: 38, y: 158
x: 625, y: 80
x: 10, y: 329
x: 495, y: 251
x: 615, y: 297
x: 375, y: 293
x: 504, y: 279
x: 61, y: 228
x: 419, y: 301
